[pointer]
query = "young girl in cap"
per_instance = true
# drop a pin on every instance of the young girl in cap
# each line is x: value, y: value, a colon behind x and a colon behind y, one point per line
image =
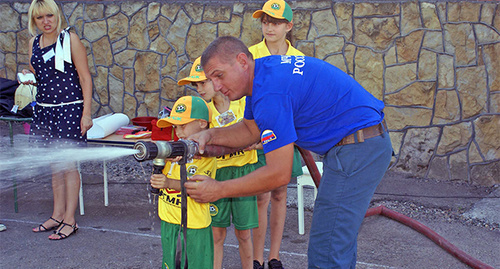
x: 241, y: 211
x: 276, y: 20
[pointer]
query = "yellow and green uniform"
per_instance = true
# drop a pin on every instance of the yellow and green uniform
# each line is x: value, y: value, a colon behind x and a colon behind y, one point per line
x: 260, y: 50
x: 233, y: 115
x: 199, y: 231
x: 242, y: 211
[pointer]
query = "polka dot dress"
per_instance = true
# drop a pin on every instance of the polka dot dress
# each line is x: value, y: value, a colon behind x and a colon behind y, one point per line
x: 55, y: 125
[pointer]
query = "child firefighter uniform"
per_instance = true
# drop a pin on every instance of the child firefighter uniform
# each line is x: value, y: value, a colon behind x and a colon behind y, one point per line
x: 186, y: 110
x: 169, y: 207
x: 190, y: 115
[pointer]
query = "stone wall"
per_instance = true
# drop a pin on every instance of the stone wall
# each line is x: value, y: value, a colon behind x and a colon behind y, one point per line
x: 434, y: 63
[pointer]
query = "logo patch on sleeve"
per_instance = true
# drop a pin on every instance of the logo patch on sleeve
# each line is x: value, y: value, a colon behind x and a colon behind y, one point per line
x: 267, y: 136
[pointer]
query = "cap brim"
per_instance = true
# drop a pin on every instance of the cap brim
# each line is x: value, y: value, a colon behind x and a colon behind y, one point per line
x: 257, y: 14
x: 167, y: 122
x: 188, y: 80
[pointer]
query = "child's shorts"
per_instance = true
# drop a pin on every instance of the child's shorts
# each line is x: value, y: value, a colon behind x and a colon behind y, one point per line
x: 242, y: 210
x: 200, y: 246
x: 297, y: 162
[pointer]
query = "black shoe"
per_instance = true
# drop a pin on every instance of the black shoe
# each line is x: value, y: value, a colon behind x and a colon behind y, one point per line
x: 275, y: 264
x: 257, y: 265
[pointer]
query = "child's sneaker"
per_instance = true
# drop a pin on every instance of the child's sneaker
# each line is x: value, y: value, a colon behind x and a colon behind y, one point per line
x: 275, y: 264
x: 257, y: 265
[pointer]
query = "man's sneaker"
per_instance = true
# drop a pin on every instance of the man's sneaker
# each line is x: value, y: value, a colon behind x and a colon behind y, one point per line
x: 257, y: 265
x: 275, y: 264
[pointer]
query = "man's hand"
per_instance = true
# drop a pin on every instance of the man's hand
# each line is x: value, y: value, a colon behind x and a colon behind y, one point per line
x: 255, y: 146
x: 202, y: 138
x: 203, y: 189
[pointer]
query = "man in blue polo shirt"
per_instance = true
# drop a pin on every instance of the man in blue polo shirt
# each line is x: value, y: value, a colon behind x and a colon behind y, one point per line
x: 306, y: 101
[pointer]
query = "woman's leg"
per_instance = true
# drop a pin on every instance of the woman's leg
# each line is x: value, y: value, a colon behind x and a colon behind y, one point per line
x: 59, y: 209
x: 70, y: 198
x: 72, y: 179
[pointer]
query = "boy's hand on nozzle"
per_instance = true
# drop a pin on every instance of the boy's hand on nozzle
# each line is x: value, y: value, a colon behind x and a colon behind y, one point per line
x: 174, y: 160
x: 159, y: 181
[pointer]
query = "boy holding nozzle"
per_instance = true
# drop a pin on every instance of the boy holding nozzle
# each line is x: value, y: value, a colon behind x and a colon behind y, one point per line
x: 190, y: 115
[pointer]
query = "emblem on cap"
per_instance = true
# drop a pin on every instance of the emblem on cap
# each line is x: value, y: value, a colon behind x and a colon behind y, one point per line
x: 198, y: 68
x: 275, y: 6
x: 180, y: 108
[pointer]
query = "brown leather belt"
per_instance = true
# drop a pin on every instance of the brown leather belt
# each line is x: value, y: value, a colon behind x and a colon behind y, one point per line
x: 363, y: 134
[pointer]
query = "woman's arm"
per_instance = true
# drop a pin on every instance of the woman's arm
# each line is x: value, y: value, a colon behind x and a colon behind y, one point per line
x: 79, y: 57
x: 31, y: 69
x: 30, y: 54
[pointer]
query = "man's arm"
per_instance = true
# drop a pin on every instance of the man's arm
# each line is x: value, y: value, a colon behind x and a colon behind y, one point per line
x: 238, y: 135
x: 276, y: 173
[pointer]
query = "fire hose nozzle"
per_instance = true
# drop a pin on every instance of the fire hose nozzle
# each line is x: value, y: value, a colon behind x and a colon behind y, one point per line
x: 165, y: 149
x: 147, y: 151
x: 160, y: 150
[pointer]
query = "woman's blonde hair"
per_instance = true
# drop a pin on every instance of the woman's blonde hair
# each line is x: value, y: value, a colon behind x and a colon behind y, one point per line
x: 38, y: 7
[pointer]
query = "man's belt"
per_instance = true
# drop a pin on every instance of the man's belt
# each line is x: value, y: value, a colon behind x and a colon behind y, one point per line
x: 360, y: 135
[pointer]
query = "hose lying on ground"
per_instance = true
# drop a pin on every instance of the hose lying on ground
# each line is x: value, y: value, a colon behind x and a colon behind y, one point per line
x: 436, y: 238
x: 417, y: 226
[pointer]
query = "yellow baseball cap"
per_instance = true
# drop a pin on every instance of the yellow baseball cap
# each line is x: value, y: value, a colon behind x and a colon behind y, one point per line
x: 278, y: 9
x: 196, y: 74
x: 185, y: 110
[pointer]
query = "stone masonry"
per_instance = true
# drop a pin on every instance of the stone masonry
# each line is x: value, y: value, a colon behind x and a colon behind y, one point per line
x: 435, y: 64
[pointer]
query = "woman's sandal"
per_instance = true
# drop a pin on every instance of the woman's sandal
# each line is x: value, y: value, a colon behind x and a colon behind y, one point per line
x: 45, y: 229
x: 64, y: 236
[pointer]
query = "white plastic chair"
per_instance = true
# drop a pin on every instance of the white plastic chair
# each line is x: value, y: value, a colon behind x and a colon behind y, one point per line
x: 305, y: 180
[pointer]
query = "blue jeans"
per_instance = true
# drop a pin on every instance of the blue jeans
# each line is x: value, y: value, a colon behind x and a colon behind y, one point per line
x: 350, y: 175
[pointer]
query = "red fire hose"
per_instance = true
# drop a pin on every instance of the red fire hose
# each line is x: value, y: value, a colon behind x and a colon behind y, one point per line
x: 417, y: 226
x: 311, y: 165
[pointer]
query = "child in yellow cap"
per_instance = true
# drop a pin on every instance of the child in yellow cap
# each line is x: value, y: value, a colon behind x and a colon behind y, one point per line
x: 276, y: 21
x: 242, y: 211
x: 190, y: 115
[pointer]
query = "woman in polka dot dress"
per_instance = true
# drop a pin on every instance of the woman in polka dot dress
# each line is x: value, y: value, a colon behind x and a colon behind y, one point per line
x: 62, y: 114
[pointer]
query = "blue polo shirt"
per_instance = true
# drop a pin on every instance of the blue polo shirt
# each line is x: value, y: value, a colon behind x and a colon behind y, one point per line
x: 307, y: 101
